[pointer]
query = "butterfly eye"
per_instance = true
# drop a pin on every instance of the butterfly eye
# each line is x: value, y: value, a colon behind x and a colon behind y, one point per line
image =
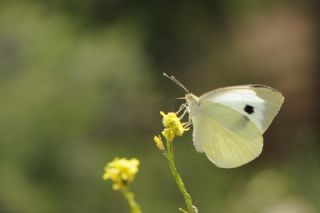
x: 249, y: 109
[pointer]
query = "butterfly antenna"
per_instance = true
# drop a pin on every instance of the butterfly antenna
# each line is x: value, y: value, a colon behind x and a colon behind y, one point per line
x: 181, y: 98
x: 172, y: 78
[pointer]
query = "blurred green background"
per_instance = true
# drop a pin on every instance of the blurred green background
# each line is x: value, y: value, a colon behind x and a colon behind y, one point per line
x: 81, y: 83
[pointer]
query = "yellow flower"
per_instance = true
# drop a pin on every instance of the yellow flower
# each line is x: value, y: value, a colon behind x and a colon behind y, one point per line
x: 121, y: 171
x: 168, y: 134
x: 172, y: 124
x: 158, y: 142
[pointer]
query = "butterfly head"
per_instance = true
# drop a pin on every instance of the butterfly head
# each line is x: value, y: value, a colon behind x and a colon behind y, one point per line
x: 193, y: 103
x: 191, y: 99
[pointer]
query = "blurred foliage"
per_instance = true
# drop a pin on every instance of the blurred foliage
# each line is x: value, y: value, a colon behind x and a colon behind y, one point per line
x: 80, y: 83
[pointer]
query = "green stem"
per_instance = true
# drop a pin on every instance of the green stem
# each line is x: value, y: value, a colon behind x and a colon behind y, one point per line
x: 179, y: 181
x: 134, y: 206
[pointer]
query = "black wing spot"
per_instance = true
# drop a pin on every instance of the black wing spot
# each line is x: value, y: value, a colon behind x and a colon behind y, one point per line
x: 249, y: 109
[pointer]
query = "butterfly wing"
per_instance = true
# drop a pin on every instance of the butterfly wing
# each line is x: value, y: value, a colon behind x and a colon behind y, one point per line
x: 257, y: 102
x: 228, y: 138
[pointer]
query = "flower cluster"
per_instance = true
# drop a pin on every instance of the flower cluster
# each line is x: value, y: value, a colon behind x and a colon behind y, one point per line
x: 121, y: 171
x: 172, y: 128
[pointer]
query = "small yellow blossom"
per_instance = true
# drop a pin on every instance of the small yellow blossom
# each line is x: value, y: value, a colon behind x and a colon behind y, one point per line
x: 172, y: 125
x: 168, y: 134
x: 121, y: 171
x: 158, y: 142
x: 172, y: 122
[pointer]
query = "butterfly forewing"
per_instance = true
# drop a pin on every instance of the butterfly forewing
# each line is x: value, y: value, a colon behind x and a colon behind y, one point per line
x: 258, y: 103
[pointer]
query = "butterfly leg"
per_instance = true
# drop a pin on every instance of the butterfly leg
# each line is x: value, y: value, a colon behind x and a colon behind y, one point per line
x: 185, y: 109
x: 187, y: 124
x: 182, y: 107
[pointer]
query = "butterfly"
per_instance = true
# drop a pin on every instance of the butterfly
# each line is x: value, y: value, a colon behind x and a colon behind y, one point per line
x: 228, y: 123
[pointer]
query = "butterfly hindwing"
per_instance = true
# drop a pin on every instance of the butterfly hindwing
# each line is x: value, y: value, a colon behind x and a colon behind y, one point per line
x: 228, y: 138
x: 257, y: 102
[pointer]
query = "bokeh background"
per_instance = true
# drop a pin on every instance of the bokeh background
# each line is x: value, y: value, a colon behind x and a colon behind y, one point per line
x: 81, y: 83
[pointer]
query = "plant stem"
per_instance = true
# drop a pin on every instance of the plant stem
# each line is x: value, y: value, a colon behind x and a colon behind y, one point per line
x: 179, y: 181
x: 134, y: 206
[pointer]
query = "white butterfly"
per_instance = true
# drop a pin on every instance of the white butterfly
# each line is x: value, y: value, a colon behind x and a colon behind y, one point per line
x: 228, y: 123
